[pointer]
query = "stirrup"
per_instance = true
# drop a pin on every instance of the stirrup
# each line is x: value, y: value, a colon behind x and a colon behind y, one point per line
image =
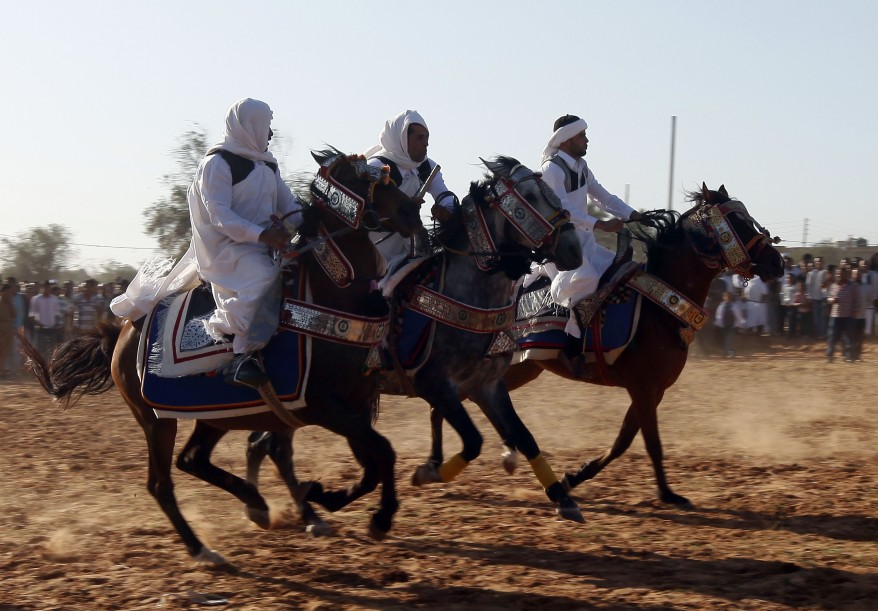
x: 247, y: 370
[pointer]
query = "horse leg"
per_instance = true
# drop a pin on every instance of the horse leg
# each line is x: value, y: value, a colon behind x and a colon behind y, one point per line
x: 436, y: 453
x: 373, y: 451
x: 333, y: 500
x: 279, y: 447
x: 160, y: 437
x: 194, y: 459
x: 495, y: 402
x: 445, y: 402
x: 623, y: 441
x: 509, y: 455
x: 648, y: 416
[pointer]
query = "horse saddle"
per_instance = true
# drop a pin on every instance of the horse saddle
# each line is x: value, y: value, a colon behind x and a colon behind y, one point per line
x: 539, y: 324
x: 179, y: 363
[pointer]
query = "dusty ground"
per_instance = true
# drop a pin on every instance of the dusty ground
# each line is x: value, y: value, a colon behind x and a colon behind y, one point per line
x: 776, y: 450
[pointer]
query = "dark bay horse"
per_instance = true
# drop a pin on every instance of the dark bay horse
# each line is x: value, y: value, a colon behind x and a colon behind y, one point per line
x: 350, y: 199
x: 506, y: 221
x: 686, y: 252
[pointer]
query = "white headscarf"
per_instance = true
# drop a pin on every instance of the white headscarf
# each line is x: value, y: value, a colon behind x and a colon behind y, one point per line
x: 393, y: 141
x: 247, y: 125
x: 562, y: 135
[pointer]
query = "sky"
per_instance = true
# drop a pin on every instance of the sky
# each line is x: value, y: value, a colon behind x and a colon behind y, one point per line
x: 775, y: 99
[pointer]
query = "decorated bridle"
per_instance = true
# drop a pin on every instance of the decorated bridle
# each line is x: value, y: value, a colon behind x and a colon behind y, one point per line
x: 539, y: 231
x: 712, y: 222
x: 352, y: 209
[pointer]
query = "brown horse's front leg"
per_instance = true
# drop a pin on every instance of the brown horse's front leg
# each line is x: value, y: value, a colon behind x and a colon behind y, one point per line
x: 647, y: 414
x: 623, y: 442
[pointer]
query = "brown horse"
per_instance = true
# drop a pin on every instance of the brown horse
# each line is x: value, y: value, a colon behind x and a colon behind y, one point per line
x: 687, y: 252
x: 350, y: 200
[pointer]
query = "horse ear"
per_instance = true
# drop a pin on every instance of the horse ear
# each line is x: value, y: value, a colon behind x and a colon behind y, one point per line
x: 496, y: 168
x: 316, y: 157
x: 722, y: 191
x: 705, y: 193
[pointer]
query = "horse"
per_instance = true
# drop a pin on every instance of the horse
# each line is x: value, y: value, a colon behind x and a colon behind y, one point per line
x: 685, y: 252
x: 349, y: 199
x: 506, y: 222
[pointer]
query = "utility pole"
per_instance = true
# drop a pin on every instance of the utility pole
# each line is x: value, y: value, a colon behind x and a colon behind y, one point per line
x: 671, y: 179
x: 805, y: 233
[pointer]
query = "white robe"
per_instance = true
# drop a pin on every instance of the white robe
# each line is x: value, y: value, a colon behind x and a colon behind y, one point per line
x: 570, y: 287
x: 227, y: 221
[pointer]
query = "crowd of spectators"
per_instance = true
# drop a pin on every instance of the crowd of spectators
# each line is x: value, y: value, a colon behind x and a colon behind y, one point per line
x: 49, y: 313
x: 813, y: 301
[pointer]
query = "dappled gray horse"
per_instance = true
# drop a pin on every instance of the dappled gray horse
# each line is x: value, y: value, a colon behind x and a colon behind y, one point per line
x: 505, y: 223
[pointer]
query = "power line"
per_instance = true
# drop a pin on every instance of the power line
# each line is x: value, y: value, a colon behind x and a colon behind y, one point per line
x: 6, y: 235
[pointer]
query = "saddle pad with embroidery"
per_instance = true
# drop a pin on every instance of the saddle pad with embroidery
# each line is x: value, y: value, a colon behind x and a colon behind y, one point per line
x: 539, y: 324
x: 206, y: 395
x: 414, y: 332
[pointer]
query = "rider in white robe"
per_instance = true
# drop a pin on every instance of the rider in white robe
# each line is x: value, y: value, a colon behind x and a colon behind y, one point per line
x: 402, y: 144
x: 231, y: 232
x: 565, y: 171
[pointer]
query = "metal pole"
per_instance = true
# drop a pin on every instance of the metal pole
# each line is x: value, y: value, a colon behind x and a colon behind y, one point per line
x: 673, y: 146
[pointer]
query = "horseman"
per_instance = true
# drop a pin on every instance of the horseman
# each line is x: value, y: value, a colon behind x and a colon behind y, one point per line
x: 236, y: 190
x: 402, y: 145
x: 565, y: 171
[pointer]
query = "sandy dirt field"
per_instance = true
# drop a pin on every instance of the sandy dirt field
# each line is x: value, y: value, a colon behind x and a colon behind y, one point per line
x: 776, y: 449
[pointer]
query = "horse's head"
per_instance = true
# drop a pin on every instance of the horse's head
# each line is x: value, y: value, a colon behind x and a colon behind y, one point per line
x: 731, y: 237
x: 362, y: 196
x: 515, y: 214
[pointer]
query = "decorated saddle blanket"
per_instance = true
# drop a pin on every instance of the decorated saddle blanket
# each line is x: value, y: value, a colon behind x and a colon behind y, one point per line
x: 413, y: 331
x: 539, y: 324
x: 180, y: 364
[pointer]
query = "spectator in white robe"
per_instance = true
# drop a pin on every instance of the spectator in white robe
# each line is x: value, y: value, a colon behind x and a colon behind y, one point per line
x: 756, y: 299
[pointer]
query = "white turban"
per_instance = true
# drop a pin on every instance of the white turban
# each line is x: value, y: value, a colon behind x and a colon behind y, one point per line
x: 393, y: 141
x: 247, y: 125
x: 562, y: 135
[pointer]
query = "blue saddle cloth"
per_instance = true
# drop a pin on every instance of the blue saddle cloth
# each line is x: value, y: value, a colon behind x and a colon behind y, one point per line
x: 195, y: 395
x: 539, y: 323
x: 414, y: 331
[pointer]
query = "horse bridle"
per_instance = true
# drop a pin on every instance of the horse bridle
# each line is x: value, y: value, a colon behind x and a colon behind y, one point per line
x: 539, y: 231
x: 353, y: 210
x: 736, y: 255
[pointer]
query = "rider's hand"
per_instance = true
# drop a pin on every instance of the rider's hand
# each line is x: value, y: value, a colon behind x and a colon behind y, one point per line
x: 635, y: 216
x: 276, y: 237
x: 610, y: 226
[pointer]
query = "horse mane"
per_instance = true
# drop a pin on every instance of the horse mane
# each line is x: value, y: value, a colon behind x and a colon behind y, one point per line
x: 441, y: 235
x: 659, y: 231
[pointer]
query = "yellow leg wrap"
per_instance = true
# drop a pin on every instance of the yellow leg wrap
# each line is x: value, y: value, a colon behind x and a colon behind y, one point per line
x: 452, y: 467
x: 543, y: 471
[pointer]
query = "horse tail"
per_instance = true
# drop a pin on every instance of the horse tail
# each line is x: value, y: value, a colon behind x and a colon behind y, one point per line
x: 80, y: 366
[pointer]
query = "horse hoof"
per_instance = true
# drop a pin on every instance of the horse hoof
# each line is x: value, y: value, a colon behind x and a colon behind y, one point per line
x: 426, y: 474
x: 510, y: 460
x: 259, y: 517
x: 320, y: 529
x: 376, y: 533
x: 678, y: 501
x: 571, y: 512
x: 209, y: 557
